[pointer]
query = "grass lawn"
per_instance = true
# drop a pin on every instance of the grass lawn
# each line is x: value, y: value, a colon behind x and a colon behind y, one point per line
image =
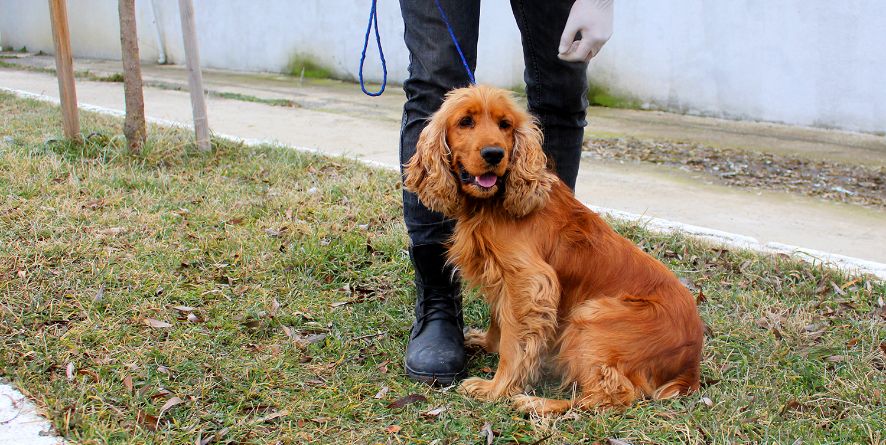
x: 262, y: 295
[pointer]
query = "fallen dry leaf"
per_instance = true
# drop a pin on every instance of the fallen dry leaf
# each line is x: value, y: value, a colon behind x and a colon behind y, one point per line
x: 212, y: 437
x: 92, y: 374
x: 69, y: 371
x: 393, y: 429
x: 169, y: 404
x: 160, y: 393
x: 303, y: 315
x: 487, y: 432
x: 406, y: 400
x: 272, y: 416
x: 846, y: 285
x: 154, y: 323
x: 434, y: 413
x: 275, y: 306
x: 708, y: 402
x: 194, y: 318
x: 127, y: 383
x: 382, y: 392
x: 790, y: 406
x: 276, y: 233
x: 184, y: 309
x: 837, y: 289
x: 303, y: 341
x: 147, y: 421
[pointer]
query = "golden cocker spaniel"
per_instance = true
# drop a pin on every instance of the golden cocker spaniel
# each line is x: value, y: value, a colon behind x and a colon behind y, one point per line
x: 563, y: 288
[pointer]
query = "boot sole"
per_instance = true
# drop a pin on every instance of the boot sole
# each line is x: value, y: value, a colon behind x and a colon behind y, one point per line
x: 434, y: 379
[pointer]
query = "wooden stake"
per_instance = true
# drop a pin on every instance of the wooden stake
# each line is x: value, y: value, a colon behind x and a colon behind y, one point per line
x: 64, y: 66
x: 134, y: 124
x: 195, y: 76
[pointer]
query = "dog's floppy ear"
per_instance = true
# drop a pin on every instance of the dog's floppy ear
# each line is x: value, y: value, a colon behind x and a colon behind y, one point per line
x: 428, y: 173
x: 529, y: 182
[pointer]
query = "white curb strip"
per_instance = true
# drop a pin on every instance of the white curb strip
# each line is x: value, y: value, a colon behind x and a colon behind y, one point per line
x: 816, y: 257
x: 20, y: 424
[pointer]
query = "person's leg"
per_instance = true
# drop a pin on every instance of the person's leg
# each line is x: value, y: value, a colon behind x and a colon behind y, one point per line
x: 436, y: 344
x: 557, y: 90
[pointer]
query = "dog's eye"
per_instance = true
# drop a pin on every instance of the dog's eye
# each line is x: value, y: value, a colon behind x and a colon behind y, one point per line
x: 466, y: 122
x: 504, y: 125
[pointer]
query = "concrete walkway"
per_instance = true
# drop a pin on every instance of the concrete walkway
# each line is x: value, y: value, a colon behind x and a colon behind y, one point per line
x: 335, y: 118
x: 21, y: 423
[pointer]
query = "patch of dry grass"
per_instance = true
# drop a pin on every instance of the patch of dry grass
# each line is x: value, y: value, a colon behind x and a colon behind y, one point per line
x: 261, y: 295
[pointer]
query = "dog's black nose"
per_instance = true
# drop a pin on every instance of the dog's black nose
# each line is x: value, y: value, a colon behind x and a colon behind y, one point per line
x: 492, y: 155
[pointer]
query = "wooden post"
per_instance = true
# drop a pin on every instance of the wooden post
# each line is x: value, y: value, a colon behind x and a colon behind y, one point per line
x: 195, y: 77
x: 64, y: 66
x: 134, y: 124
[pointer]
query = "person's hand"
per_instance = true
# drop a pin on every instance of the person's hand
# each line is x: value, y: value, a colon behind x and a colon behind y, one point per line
x: 593, y: 18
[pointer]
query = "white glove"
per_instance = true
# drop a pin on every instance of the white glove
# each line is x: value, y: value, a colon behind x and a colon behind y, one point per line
x: 593, y: 18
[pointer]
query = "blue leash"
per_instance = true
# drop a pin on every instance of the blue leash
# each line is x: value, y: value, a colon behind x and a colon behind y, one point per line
x: 373, y: 23
x: 464, y: 61
x: 373, y: 20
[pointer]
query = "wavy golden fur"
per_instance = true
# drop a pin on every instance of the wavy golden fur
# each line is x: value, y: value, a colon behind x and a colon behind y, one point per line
x: 563, y: 288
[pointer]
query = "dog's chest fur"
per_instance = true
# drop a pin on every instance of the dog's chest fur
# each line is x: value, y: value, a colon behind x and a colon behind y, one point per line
x: 483, y: 249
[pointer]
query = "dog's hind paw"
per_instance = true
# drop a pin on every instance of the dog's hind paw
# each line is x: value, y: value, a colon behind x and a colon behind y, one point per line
x: 476, y: 339
x: 539, y: 405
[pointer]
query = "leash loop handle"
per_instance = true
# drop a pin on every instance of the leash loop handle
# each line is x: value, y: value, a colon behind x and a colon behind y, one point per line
x: 373, y: 24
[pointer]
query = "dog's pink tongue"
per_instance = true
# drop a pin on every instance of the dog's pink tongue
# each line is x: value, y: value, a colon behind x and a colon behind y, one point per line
x: 487, y: 180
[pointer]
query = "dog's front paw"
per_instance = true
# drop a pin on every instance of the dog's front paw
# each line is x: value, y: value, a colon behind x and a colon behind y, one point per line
x: 477, y: 388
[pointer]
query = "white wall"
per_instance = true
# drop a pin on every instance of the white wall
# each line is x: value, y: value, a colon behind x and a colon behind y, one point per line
x: 807, y: 62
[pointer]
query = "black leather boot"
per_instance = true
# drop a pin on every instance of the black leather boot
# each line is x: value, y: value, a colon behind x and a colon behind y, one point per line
x: 435, y: 353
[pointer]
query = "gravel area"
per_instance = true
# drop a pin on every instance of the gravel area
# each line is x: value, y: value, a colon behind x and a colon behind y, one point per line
x: 853, y: 184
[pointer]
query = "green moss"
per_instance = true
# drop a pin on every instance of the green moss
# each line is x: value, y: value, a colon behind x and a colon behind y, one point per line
x: 115, y: 77
x: 601, y: 96
x: 304, y: 66
x: 250, y: 98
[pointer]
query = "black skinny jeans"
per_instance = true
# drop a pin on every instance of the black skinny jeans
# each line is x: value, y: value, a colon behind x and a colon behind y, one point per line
x: 557, y: 90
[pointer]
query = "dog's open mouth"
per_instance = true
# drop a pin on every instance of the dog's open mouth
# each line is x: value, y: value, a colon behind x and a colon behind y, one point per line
x: 484, y: 182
